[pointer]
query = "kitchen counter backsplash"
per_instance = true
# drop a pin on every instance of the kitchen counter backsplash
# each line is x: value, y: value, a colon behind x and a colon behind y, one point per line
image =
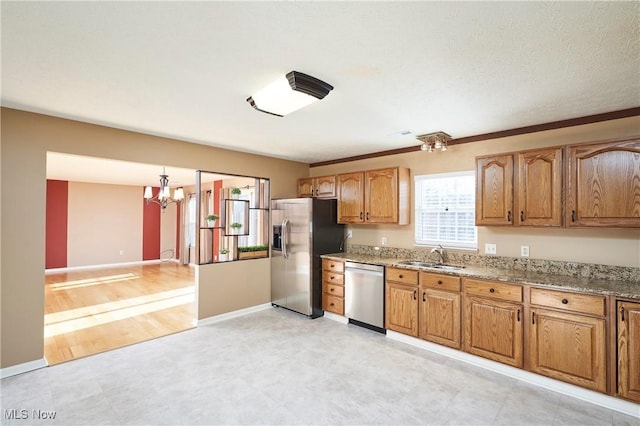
x: 573, y: 269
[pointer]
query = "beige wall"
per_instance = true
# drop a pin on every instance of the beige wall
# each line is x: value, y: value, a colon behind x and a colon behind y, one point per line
x: 606, y: 246
x: 104, y: 224
x: 168, y: 227
x: 229, y: 286
x: 26, y: 138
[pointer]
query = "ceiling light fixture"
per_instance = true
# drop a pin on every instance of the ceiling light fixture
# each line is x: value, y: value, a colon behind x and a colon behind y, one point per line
x: 289, y: 93
x: 433, y: 141
x: 163, y: 198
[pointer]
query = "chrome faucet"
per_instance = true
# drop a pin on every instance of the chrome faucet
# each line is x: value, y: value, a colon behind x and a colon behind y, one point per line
x: 440, y: 251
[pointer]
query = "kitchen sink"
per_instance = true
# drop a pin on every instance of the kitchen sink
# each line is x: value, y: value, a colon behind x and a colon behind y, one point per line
x: 431, y: 265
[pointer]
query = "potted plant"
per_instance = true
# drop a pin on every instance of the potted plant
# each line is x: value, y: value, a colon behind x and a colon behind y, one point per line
x: 250, y: 252
x: 236, y: 226
x: 224, y: 255
x: 211, y: 220
x: 235, y: 192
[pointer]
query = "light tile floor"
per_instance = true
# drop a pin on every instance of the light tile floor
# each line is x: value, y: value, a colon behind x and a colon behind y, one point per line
x: 276, y: 367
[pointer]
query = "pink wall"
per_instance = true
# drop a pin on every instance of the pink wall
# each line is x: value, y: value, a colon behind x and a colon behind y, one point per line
x: 150, y: 229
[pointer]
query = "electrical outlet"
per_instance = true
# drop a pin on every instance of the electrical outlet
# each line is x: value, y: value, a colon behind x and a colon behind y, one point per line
x: 490, y: 249
x: 524, y: 251
x: 349, y: 234
x: 384, y: 241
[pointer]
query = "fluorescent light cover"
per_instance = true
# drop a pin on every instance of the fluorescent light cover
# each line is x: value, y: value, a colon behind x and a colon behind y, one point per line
x: 280, y: 99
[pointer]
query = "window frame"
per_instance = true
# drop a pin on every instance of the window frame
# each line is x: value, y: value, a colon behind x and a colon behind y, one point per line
x: 418, y: 210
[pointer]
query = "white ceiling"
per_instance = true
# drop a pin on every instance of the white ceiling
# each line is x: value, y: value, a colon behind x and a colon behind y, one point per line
x: 184, y: 69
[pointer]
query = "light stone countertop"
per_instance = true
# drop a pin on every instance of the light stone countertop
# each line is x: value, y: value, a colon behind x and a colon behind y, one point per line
x: 618, y: 288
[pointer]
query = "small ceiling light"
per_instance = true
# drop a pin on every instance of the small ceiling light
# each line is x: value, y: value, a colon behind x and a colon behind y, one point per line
x: 434, y: 141
x: 163, y: 199
x: 289, y: 93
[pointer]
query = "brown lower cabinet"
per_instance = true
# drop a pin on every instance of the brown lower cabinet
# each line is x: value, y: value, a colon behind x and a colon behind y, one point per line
x: 628, y: 322
x: 333, y: 286
x: 439, y: 316
x: 569, y: 347
x: 566, y: 332
x: 493, y: 321
x: 401, y: 301
x: 567, y: 338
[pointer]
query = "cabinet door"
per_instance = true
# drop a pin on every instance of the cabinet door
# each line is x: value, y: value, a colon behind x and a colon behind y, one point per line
x: 325, y: 186
x: 493, y: 330
x: 381, y: 196
x: 440, y: 317
x: 603, y: 184
x: 629, y: 350
x: 569, y: 347
x: 539, y: 183
x: 401, y: 306
x: 305, y: 187
x: 494, y: 190
x: 351, y: 198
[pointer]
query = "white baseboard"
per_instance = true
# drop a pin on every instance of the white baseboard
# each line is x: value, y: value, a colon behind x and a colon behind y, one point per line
x: 14, y: 370
x: 334, y: 317
x: 234, y: 314
x: 103, y: 266
x: 596, y: 398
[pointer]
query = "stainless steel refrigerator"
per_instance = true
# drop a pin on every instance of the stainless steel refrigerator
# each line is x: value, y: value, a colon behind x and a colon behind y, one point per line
x: 302, y: 230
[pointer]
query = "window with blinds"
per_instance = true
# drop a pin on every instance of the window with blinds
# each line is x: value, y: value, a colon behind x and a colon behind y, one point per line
x: 445, y: 210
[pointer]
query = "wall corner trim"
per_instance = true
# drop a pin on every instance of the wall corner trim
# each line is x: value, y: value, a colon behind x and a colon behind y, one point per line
x: 14, y: 370
x: 233, y: 314
x: 596, y: 398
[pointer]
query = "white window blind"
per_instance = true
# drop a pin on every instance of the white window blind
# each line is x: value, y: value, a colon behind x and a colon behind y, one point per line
x: 445, y: 210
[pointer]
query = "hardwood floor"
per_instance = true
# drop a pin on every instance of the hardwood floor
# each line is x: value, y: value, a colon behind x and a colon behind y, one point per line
x: 87, y: 312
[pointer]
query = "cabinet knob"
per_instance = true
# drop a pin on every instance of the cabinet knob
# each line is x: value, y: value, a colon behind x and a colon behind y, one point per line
x: 424, y: 294
x: 331, y: 290
x: 509, y: 216
x: 331, y: 304
x: 492, y: 290
x: 439, y: 281
x: 400, y: 276
x: 565, y: 301
x: 521, y: 216
x: 573, y: 215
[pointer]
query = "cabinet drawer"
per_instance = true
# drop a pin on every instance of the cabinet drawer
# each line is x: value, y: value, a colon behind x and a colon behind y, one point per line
x: 333, y: 290
x: 494, y: 290
x: 575, y: 302
x: 333, y: 265
x: 332, y: 278
x: 333, y: 304
x: 404, y: 276
x: 440, y: 282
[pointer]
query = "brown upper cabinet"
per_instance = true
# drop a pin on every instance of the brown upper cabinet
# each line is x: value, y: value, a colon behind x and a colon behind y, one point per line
x: 523, y: 189
x: 320, y: 187
x: 494, y: 190
x: 374, y: 196
x: 603, y: 184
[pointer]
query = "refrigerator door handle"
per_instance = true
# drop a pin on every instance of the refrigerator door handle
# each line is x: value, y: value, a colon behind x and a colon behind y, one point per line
x: 285, y: 238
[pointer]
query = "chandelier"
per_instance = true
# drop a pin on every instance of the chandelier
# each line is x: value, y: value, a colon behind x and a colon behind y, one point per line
x: 434, y: 141
x: 163, y: 198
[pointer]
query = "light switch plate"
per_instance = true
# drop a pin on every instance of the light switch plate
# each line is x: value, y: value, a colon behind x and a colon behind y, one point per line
x: 524, y: 251
x: 490, y: 249
x: 384, y: 241
x: 349, y: 234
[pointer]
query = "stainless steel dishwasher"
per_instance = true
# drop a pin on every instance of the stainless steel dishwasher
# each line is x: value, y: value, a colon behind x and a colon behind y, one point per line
x: 364, y: 293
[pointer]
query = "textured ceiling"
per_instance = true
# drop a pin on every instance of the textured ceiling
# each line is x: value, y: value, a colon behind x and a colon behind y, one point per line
x: 184, y: 69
